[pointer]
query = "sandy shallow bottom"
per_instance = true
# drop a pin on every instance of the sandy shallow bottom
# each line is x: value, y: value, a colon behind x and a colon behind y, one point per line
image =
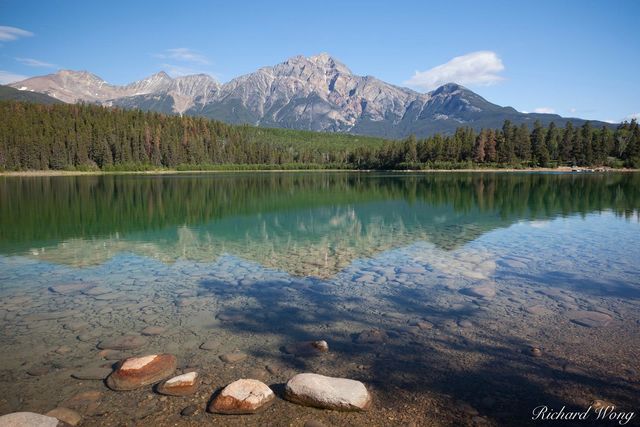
x: 440, y: 337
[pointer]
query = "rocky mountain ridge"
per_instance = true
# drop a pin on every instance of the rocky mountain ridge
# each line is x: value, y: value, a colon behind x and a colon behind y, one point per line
x: 316, y: 93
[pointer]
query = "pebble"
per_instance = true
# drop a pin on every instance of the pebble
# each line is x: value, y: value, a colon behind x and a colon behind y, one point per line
x: 66, y: 415
x: 136, y: 372
x: 324, y: 392
x: 534, y: 352
x: 236, y: 356
x: 187, y: 411
x: 244, y: 396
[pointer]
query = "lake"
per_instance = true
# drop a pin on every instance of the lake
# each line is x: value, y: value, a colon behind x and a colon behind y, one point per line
x: 457, y: 298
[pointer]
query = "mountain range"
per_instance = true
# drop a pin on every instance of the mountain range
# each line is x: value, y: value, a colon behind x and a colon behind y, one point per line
x: 312, y: 93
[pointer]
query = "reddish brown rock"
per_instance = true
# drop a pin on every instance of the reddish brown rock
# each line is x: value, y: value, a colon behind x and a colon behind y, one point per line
x: 242, y: 397
x: 182, y: 385
x: 136, y: 372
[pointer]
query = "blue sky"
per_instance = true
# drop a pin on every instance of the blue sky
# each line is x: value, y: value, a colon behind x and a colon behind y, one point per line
x: 575, y: 58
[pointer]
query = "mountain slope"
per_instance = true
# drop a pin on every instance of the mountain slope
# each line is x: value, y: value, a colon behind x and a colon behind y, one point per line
x: 8, y: 93
x: 311, y: 93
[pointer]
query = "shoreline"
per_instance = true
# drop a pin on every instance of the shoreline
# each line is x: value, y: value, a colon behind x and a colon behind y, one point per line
x: 53, y: 173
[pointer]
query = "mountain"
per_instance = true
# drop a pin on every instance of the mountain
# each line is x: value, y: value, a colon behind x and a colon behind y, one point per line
x: 313, y: 93
x: 8, y: 93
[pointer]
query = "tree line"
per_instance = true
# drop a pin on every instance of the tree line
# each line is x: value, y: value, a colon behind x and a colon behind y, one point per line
x: 85, y: 137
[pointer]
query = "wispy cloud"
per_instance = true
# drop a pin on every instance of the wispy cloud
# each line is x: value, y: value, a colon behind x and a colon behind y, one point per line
x: 7, y: 77
x: 184, y: 54
x: 544, y: 110
x: 632, y: 116
x: 175, y: 70
x: 475, y: 68
x: 35, y: 63
x: 12, y: 33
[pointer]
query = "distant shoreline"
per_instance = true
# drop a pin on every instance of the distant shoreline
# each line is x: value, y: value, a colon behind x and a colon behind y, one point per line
x: 52, y: 173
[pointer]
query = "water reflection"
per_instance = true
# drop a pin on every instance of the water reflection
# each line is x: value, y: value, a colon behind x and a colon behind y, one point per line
x: 304, y: 223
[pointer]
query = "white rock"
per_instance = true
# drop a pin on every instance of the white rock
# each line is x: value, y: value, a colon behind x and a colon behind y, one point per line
x: 27, y: 419
x: 327, y: 392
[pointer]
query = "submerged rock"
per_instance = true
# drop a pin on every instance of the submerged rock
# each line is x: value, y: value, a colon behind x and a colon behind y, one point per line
x: 372, y: 336
x: 84, y: 402
x: 27, y: 419
x: 590, y: 319
x: 69, y: 288
x: 307, y: 348
x: 91, y: 373
x: 125, y: 342
x: 182, y: 385
x: 236, y: 356
x: 136, y: 372
x: 153, y: 330
x: 485, y: 290
x: 327, y: 392
x: 209, y: 345
x: 66, y: 415
x: 244, y: 396
x: 187, y: 411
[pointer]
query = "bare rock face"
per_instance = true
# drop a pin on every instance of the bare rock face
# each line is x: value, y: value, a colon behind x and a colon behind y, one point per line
x: 312, y: 93
x: 136, y: 372
x: 244, y: 396
x: 182, y: 385
x: 327, y: 392
x: 27, y: 419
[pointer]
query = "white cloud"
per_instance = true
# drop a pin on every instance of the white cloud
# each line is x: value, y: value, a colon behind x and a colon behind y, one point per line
x: 178, y: 70
x: 7, y: 77
x: 184, y: 54
x: 35, y: 63
x: 632, y: 116
x: 544, y: 110
x: 12, y: 33
x: 475, y: 68
x: 573, y: 110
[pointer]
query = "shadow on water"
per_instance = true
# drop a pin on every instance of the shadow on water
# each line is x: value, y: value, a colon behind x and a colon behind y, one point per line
x: 483, y: 371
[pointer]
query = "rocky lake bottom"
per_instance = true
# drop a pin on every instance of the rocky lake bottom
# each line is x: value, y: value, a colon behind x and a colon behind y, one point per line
x: 427, y: 299
x: 479, y: 335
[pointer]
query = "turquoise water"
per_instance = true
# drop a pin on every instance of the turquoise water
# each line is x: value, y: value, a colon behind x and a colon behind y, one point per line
x: 458, y: 275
